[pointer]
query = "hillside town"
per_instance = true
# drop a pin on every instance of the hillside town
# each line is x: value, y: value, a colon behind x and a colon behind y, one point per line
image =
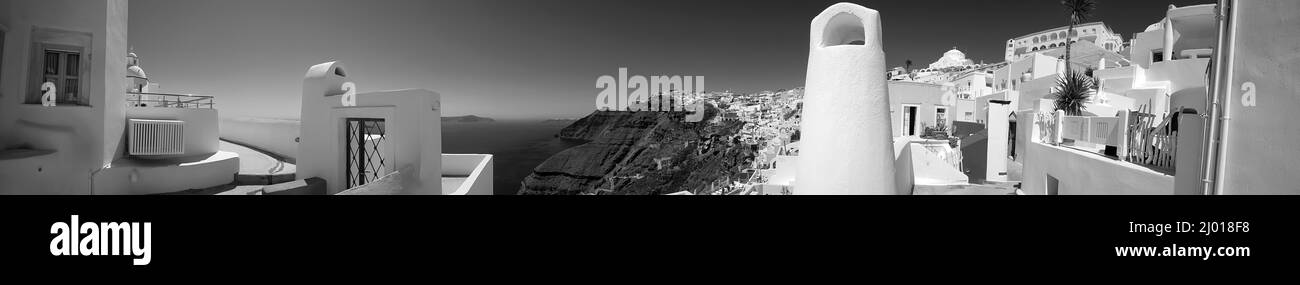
x: 1018, y: 126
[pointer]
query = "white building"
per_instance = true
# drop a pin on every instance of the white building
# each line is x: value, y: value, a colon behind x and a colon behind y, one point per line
x: 974, y: 83
x: 77, y: 116
x: 952, y: 58
x: 946, y: 69
x: 1168, y: 64
x: 1166, y: 74
x: 915, y: 106
x: 72, y: 120
x: 1096, y: 33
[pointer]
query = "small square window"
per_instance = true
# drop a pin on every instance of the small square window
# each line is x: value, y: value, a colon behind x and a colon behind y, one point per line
x: 62, y: 67
x: 56, y: 58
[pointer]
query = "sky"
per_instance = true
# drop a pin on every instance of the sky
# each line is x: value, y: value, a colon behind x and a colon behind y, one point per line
x: 537, y: 59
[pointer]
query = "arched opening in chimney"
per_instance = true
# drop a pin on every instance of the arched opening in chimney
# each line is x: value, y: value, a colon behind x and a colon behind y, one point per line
x: 844, y: 29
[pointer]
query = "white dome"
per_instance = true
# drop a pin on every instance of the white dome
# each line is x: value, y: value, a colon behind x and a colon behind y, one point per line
x: 951, y: 58
x: 955, y: 54
x: 133, y: 66
x: 136, y: 71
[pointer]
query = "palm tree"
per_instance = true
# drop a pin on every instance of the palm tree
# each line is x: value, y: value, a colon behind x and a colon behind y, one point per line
x: 908, y: 63
x: 1079, y: 11
x: 1072, y: 91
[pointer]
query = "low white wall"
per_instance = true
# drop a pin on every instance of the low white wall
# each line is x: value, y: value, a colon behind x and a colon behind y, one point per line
x: 1182, y: 74
x: 42, y: 173
x: 929, y: 169
x: 65, y: 130
x: 1082, y: 173
x: 279, y: 136
x: 157, y: 178
x: 200, y: 125
x: 904, y: 178
x: 478, y: 169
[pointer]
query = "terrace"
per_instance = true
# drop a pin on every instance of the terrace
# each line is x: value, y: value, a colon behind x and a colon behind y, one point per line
x: 1130, y: 153
x: 196, y: 114
x: 164, y: 100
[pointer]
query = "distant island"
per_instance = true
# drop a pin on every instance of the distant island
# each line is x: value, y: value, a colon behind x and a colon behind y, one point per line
x: 559, y: 121
x: 467, y: 119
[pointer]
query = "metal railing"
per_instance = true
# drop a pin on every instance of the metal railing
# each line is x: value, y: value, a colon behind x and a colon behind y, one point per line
x: 162, y: 100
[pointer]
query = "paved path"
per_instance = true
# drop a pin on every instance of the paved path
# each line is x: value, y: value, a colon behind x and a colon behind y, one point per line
x: 259, y: 168
x: 964, y: 190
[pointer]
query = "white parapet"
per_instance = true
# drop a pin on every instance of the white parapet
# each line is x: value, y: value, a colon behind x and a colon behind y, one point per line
x: 846, y: 146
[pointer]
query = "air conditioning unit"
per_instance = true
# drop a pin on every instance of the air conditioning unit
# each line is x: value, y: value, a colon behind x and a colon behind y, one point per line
x: 155, y: 137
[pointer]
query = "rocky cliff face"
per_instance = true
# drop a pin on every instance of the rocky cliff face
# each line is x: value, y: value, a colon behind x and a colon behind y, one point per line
x: 642, y: 153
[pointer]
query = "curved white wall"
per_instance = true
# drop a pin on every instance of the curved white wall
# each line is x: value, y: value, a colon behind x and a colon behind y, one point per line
x: 279, y: 136
x: 200, y: 125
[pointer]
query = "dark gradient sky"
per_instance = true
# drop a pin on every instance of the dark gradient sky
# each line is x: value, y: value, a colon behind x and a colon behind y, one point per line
x: 540, y: 58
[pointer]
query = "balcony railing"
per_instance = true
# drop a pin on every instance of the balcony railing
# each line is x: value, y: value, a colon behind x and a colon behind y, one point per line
x: 1137, y: 136
x: 161, y: 100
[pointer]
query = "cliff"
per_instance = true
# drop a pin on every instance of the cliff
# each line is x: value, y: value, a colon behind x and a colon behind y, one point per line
x: 642, y: 153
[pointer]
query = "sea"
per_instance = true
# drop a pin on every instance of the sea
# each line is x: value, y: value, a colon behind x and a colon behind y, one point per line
x: 517, y: 146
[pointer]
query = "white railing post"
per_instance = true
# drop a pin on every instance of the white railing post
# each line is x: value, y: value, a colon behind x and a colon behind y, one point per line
x: 1122, y: 136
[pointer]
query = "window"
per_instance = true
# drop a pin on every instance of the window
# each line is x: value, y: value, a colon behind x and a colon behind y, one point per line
x: 62, y: 66
x: 1055, y: 37
x: 59, y: 57
x: 1157, y: 56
